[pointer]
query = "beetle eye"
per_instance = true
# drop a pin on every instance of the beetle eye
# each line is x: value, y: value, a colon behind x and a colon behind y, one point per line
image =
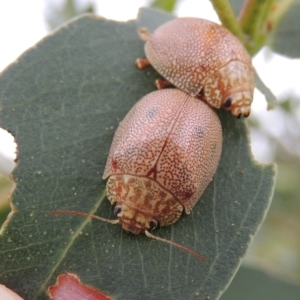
x: 228, y: 102
x: 117, y: 210
x: 152, y: 224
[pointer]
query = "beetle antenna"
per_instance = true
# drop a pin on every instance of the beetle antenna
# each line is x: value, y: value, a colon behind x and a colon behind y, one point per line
x: 199, y: 256
x: 78, y: 213
x: 148, y: 234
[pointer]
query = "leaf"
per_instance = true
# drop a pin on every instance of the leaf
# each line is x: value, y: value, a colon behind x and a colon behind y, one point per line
x: 270, y: 97
x: 250, y: 283
x: 145, y: 18
x: 5, y: 191
x: 286, y: 38
x: 63, y: 100
x: 167, y: 5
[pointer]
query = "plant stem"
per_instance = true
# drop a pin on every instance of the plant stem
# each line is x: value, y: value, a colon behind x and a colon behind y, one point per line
x: 280, y: 9
x: 228, y: 19
x: 248, y: 13
x: 253, y: 21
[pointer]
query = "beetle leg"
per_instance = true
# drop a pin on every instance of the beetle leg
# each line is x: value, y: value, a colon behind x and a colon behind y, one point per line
x: 162, y: 84
x: 142, y: 63
x: 144, y: 34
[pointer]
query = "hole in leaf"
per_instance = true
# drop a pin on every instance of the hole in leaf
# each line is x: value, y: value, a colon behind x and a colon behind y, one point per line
x: 8, y: 154
x: 69, y: 287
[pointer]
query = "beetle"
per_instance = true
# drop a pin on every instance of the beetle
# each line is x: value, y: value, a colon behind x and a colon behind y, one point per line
x: 203, y: 59
x: 163, y: 155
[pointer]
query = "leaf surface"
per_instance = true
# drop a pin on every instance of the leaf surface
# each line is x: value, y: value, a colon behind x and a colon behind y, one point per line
x: 250, y: 283
x: 63, y: 100
x: 286, y: 38
x: 270, y: 97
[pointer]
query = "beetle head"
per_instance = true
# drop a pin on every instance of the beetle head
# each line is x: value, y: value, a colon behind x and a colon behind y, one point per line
x: 231, y: 87
x: 239, y: 103
x: 141, y: 203
x: 133, y: 219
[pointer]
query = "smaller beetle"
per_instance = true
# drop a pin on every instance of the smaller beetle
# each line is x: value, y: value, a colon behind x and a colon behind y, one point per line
x: 203, y: 59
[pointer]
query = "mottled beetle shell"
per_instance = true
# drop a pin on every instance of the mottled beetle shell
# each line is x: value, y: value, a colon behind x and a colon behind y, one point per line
x: 203, y: 58
x: 163, y: 155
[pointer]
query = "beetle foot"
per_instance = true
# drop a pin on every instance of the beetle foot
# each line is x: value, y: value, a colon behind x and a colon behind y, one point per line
x: 144, y: 34
x: 162, y: 84
x: 142, y: 63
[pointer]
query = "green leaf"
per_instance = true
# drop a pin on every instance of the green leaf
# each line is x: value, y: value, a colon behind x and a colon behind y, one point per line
x: 250, y: 283
x: 167, y: 5
x: 270, y: 97
x: 5, y: 188
x: 286, y: 38
x: 63, y: 100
